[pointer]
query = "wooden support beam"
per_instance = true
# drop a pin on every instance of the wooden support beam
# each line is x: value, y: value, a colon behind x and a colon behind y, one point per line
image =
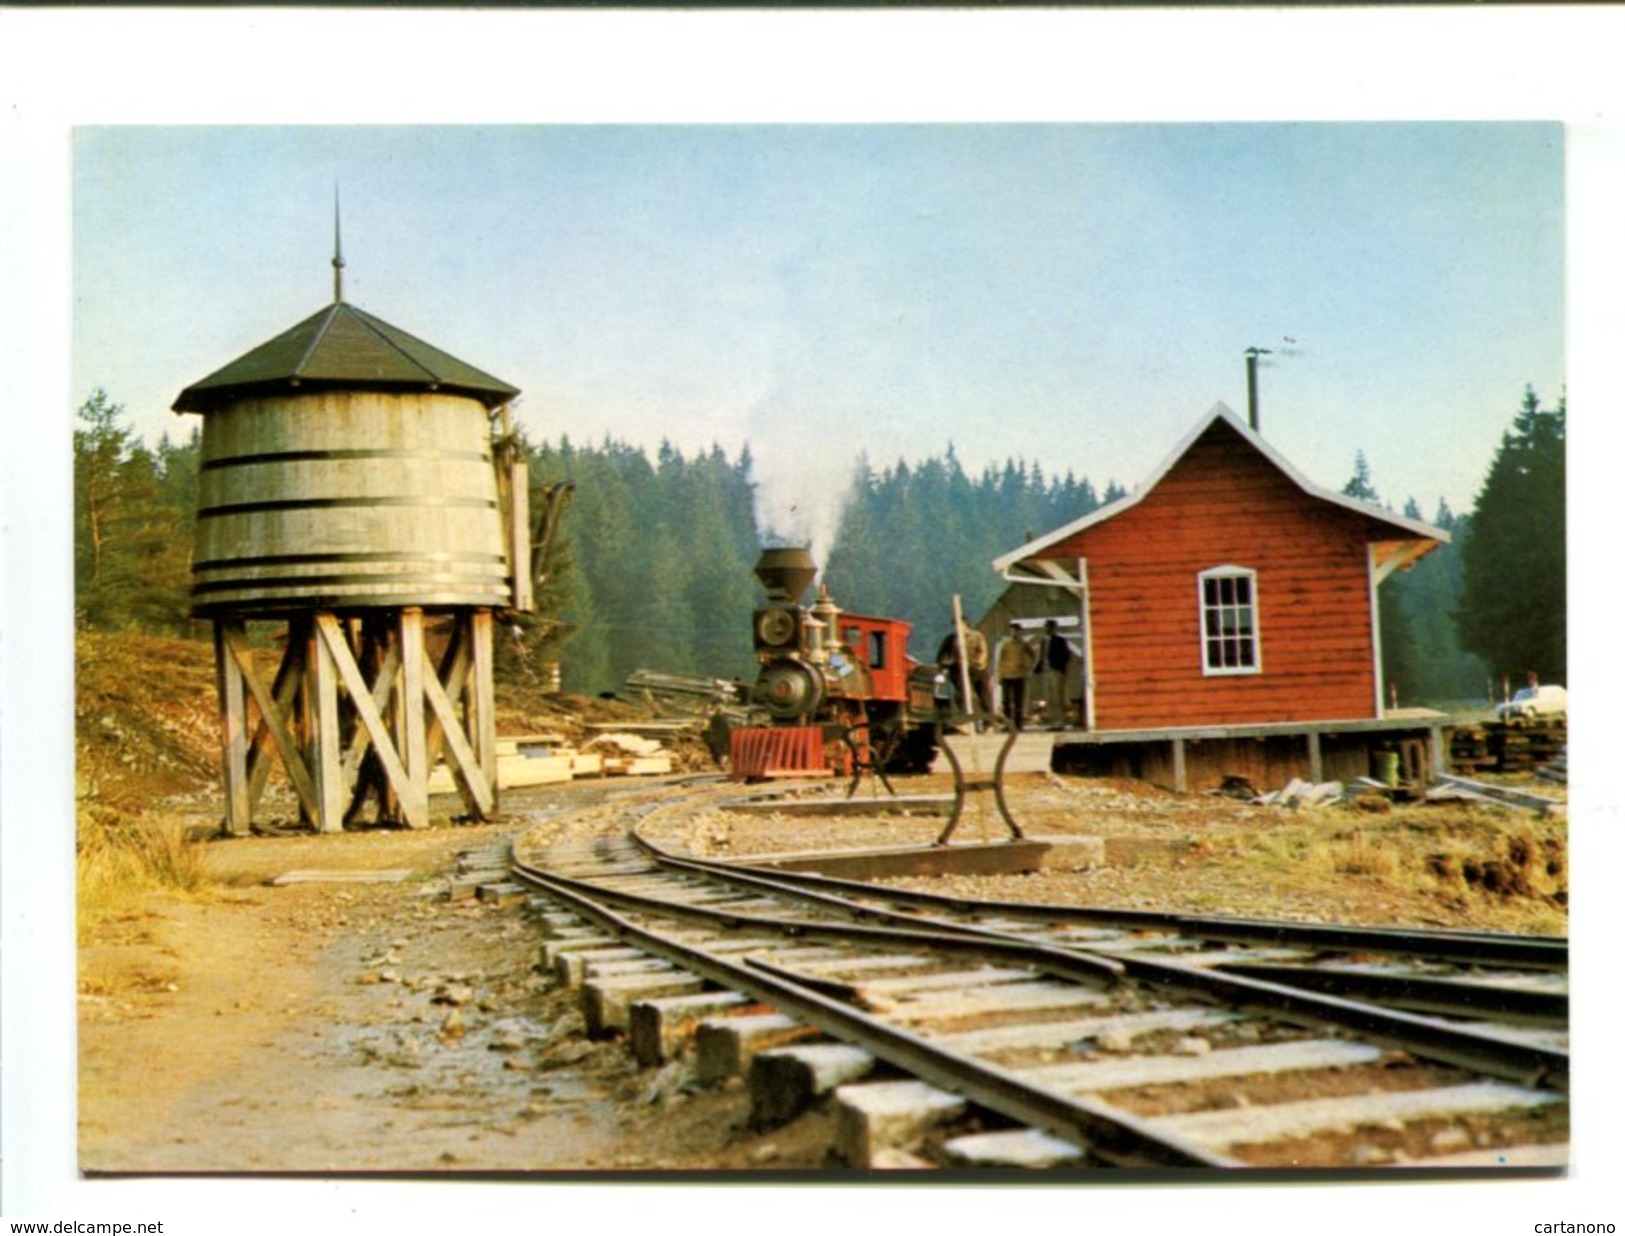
x: 483, y: 726
x: 330, y: 782
x: 385, y: 670
x: 236, y: 643
x: 413, y: 741
x: 1179, y: 765
x: 453, y: 675
x: 524, y: 596
x: 285, y: 689
x: 476, y: 788
x: 233, y: 730
x: 361, y: 696
x: 1315, y: 768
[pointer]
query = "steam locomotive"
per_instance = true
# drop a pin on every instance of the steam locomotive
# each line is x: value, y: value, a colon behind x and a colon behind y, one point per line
x: 839, y: 690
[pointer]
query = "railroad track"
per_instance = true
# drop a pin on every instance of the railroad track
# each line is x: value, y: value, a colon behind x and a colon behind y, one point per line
x: 948, y: 1032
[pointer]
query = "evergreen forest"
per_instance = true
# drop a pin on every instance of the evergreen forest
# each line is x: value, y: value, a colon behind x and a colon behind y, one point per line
x: 651, y: 566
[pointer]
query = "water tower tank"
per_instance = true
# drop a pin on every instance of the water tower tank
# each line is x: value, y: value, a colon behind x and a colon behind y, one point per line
x: 346, y: 464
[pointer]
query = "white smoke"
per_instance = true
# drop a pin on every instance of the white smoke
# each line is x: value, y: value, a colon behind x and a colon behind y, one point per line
x: 803, y: 467
x: 798, y: 505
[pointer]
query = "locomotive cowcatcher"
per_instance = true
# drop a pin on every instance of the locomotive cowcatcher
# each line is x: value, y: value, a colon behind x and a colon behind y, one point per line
x: 839, y: 691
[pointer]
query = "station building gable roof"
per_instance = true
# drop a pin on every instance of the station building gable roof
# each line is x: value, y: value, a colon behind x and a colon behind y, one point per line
x: 1401, y: 540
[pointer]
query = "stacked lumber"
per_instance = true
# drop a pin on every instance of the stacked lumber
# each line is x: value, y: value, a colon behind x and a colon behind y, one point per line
x: 630, y: 755
x: 1470, y: 750
x: 691, y: 694
x: 1524, y: 748
x: 1495, y: 746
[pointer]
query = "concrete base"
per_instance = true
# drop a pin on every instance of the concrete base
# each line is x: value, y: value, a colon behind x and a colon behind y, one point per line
x: 1002, y: 858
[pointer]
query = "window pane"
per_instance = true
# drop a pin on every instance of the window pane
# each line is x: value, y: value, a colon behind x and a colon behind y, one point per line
x: 1229, y: 622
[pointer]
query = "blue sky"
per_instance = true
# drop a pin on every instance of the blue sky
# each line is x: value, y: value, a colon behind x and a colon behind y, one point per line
x: 1074, y: 295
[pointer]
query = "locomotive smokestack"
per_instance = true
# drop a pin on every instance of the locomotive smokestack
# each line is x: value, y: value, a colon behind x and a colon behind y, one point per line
x: 785, y: 573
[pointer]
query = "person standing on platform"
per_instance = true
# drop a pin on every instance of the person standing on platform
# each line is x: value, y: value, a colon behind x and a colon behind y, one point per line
x: 1056, y: 660
x: 976, y: 662
x: 1017, y: 658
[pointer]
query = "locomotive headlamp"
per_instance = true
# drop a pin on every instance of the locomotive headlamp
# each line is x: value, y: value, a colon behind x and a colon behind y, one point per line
x: 776, y: 628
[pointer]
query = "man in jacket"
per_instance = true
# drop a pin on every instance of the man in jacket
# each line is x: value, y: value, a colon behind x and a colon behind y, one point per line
x: 1017, y: 657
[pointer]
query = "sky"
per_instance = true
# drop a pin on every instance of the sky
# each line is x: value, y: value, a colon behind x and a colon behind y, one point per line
x: 968, y: 248
x: 1072, y: 295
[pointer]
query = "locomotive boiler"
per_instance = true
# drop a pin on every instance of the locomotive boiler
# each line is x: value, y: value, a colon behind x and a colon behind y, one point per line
x: 839, y: 690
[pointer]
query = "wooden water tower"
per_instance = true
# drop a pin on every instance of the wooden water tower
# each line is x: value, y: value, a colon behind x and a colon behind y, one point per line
x: 359, y: 487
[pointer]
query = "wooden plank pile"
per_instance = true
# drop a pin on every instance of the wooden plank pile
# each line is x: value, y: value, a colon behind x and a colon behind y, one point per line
x: 688, y: 694
x: 1495, y: 746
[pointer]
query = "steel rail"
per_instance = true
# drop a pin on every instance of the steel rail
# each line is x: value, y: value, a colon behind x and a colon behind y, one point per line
x: 1057, y: 962
x: 1419, y: 991
x: 1104, y: 967
x: 1528, y: 1064
x: 1112, y: 1136
x: 1422, y: 1036
x: 1461, y: 947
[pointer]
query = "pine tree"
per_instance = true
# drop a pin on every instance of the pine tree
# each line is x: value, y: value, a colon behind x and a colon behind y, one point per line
x: 1359, y: 485
x: 1514, y: 606
x: 132, y: 550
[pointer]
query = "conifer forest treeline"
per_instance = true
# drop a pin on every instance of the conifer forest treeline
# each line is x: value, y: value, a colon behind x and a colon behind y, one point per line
x: 651, y: 566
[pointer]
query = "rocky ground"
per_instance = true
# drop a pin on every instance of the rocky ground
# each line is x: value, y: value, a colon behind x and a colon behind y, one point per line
x: 344, y: 1024
x: 331, y: 1024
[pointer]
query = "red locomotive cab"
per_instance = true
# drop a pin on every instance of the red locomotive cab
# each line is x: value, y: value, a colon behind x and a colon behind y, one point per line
x: 882, y: 645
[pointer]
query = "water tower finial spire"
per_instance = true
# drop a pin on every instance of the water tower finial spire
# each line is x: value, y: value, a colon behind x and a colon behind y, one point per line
x: 338, y: 252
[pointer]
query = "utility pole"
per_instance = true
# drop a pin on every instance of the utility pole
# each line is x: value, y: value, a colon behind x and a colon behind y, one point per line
x: 1252, y: 355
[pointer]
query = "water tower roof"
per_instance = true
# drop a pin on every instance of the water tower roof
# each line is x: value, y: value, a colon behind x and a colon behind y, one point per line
x: 344, y: 347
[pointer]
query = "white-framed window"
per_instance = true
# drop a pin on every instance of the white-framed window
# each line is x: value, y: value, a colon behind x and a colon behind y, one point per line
x: 1228, y: 596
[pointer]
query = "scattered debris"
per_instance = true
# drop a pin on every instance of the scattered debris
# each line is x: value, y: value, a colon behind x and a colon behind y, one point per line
x: 1557, y: 770
x: 628, y: 754
x: 1234, y: 786
x: 1459, y: 788
x: 1298, y: 793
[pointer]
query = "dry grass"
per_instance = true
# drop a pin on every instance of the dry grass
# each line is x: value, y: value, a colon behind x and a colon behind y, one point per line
x: 1508, y: 867
x: 121, y: 859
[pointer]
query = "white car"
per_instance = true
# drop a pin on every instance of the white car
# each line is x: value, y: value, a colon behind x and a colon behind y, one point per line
x: 1533, y: 702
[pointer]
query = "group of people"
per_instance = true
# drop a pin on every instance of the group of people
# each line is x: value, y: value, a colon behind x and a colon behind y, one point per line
x: 1020, y: 660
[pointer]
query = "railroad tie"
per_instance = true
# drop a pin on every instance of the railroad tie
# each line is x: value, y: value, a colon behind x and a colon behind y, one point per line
x: 606, y: 1003
x: 661, y: 1026
x: 725, y: 1046
x: 785, y: 1081
x: 1307, y: 1117
x: 1030, y: 1148
x: 881, y: 1116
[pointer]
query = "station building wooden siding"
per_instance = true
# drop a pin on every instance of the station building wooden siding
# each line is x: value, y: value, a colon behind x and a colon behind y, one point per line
x: 1225, y: 502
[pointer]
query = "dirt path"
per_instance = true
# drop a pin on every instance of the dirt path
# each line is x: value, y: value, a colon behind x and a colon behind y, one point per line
x: 330, y: 1026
